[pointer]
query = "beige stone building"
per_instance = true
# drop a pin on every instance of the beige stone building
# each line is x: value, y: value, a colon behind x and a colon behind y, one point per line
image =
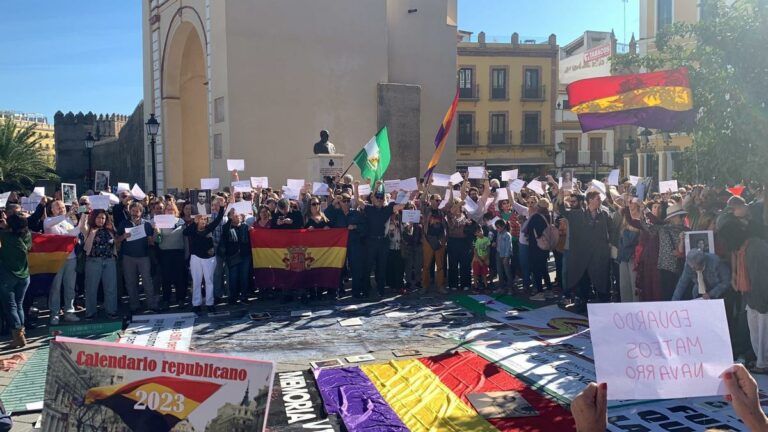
x: 43, y: 129
x: 258, y: 80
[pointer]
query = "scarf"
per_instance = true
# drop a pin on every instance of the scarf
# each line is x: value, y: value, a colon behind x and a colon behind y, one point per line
x: 739, y: 275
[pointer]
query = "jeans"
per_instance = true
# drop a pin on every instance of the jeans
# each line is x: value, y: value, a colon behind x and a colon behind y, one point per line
x: 218, y: 277
x: 525, y: 268
x: 174, y: 269
x: 537, y: 263
x: 132, y: 268
x: 504, y: 269
x: 459, y: 262
x: 378, y: 249
x: 66, y: 276
x: 395, y: 269
x: 202, y: 268
x: 12, y: 290
x: 356, y: 254
x: 102, y: 270
x: 238, y: 277
x: 627, y: 282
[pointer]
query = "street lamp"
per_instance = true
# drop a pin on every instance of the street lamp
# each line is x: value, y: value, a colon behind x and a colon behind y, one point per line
x: 153, y: 127
x: 630, y: 143
x: 89, y: 142
x: 646, y: 134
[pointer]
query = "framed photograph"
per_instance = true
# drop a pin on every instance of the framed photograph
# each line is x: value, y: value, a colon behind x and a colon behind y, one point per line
x: 101, y: 181
x: 326, y: 363
x: 567, y: 176
x: 68, y: 193
x: 201, y: 201
x: 704, y: 240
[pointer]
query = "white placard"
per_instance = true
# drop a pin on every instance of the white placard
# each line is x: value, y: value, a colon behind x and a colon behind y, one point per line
x: 633, y: 180
x: 29, y: 205
x: 296, y: 184
x: 660, y: 350
x: 39, y: 191
x: 444, y: 202
x: 242, y: 207
x: 476, y: 172
x: 517, y: 185
x: 241, y: 186
x: 509, y: 175
x: 320, y: 189
x: 391, y: 185
x: 456, y: 178
x: 364, y: 190
x: 123, y: 187
x: 164, y: 221
x: 613, y: 178
x: 290, y: 193
x: 502, y: 194
x: 260, y: 182
x: 440, y: 180
x: 138, y: 232
x: 209, y: 183
x: 235, y: 164
x: 4, y: 199
x: 669, y: 186
x: 470, y: 205
x: 536, y: 186
x: 410, y: 184
x: 99, y: 202
x: 166, y: 331
x: 411, y: 216
x: 600, y: 186
x: 113, y: 199
x: 402, y: 197
x: 136, y: 192
x: 492, y: 222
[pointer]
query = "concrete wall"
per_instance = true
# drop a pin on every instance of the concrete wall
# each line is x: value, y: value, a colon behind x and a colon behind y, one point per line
x: 399, y: 110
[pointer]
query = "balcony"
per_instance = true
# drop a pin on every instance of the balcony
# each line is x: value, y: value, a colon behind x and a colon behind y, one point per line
x: 499, y: 93
x: 470, y: 93
x: 499, y: 139
x: 532, y: 137
x: 602, y: 158
x: 528, y: 93
x: 470, y: 139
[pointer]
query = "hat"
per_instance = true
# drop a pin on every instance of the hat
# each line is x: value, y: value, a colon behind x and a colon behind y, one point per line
x: 736, y: 201
x: 675, y: 210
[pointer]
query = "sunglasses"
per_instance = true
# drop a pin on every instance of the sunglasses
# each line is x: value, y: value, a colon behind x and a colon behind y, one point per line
x: 346, y: 201
x: 315, y: 204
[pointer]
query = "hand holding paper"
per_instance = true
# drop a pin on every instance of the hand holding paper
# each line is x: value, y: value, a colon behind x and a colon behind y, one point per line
x: 235, y: 164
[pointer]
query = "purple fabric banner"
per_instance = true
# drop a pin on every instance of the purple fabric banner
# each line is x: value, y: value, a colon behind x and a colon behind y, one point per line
x: 349, y: 393
x: 652, y: 117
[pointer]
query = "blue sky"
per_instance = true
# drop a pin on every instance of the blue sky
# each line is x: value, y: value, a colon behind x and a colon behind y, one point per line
x: 85, y: 55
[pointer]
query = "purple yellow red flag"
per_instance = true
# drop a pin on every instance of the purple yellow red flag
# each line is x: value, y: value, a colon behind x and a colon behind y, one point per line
x: 442, y: 135
x: 656, y: 100
x: 48, y: 254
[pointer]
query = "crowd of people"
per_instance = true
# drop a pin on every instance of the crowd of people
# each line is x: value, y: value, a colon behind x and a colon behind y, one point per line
x: 604, y: 243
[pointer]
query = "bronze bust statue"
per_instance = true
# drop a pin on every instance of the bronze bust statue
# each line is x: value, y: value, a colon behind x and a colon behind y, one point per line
x: 324, y: 146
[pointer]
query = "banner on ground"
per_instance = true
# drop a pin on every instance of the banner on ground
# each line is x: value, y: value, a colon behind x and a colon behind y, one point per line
x: 166, y: 331
x: 293, y: 259
x: 107, y: 386
x: 296, y: 405
x: 48, y: 254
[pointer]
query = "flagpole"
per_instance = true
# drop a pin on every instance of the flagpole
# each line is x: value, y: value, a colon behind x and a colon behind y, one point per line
x: 345, y: 171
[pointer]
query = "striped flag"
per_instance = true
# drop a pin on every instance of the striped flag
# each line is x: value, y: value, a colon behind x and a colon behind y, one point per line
x: 290, y: 259
x: 442, y: 135
x: 48, y: 254
x: 657, y: 100
x: 153, y: 404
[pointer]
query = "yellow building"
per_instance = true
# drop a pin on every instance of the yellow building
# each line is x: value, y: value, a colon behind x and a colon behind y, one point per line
x: 507, y: 92
x: 44, y: 130
x: 659, y: 153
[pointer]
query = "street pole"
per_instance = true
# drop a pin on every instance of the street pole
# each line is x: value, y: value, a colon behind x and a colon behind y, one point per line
x: 90, y: 169
x: 154, y: 165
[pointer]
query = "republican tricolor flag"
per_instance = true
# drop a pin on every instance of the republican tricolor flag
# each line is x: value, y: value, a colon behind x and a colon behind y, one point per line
x: 656, y: 100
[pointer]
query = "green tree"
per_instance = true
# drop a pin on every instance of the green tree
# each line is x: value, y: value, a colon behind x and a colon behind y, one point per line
x: 725, y: 53
x: 22, y: 159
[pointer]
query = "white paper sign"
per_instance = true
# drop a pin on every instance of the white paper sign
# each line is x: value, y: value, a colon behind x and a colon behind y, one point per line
x: 137, y: 193
x: 290, y: 193
x: 633, y: 180
x: 235, y: 164
x: 364, y: 190
x: 517, y: 185
x: 391, y: 185
x: 613, y: 178
x: 242, y: 207
x: 39, y: 191
x: 4, y: 199
x: 600, y: 186
x: 138, y: 232
x: 320, y: 189
x: 470, y: 205
x: 123, y: 187
x: 295, y: 184
x: 241, y: 186
x: 660, y: 350
x: 29, y: 204
x: 536, y: 186
x: 476, y: 172
x: 402, y: 197
x: 501, y: 194
x: 164, y: 221
x: 440, y: 180
x: 509, y: 175
x: 209, y: 183
x: 668, y: 186
x: 456, y: 178
x: 492, y: 222
x: 411, y: 216
x: 260, y: 182
x: 444, y: 202
x: 99, y: 202
x: 410, y: 184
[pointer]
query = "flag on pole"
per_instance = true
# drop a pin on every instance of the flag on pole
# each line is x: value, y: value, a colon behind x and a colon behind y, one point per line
x: 373, y: 159
x: 442, y: 135
x: 657, y: 100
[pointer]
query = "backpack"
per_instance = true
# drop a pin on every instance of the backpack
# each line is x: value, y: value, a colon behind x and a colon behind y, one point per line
x: 549, y: 238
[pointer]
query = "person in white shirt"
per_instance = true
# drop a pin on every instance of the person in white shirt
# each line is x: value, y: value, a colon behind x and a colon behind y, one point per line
x: 63, y: 223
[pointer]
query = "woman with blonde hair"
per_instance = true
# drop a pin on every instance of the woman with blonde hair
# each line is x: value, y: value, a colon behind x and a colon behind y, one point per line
x: 100, y: 264
x: 170, y: 242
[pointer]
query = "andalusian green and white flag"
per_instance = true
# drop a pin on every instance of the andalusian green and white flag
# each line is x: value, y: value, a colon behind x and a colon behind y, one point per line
x: 373, y: 159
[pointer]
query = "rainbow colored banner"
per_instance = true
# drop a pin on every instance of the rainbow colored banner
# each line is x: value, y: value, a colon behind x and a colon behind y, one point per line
x: 658, y: 100
x: 431, y: 394
x: 290, y: 259
x: 48, y: 254
x: 442, y: 135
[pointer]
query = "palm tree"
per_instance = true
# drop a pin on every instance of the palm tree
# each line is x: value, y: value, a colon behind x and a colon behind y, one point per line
x: 22, y: 160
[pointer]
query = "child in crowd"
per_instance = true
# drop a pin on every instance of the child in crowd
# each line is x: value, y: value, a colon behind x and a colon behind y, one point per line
x: 482, y: 248
x: 504, y: 257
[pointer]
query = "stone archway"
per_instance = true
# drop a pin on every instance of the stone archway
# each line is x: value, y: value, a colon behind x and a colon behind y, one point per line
x: 185, y: 109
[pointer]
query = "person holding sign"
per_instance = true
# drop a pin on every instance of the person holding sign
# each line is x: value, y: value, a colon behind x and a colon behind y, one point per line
x: 171, y: 254
x: 61, y: 223
x: 135, y: 254
x: 202, y: 260
x: 236, y: 243
x: 100, y: 263
x: 434, y: 241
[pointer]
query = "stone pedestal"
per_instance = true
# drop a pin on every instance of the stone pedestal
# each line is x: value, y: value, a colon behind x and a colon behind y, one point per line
x: 325, y: 165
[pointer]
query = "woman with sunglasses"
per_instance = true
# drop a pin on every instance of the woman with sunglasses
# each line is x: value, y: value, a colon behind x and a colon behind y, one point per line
x: 316, y: 219
x: 100, y: 263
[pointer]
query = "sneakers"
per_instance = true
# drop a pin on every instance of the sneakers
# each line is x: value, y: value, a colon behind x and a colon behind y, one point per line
x: 70, y: 317
x: 538, y: 297
x: 55, y: 320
